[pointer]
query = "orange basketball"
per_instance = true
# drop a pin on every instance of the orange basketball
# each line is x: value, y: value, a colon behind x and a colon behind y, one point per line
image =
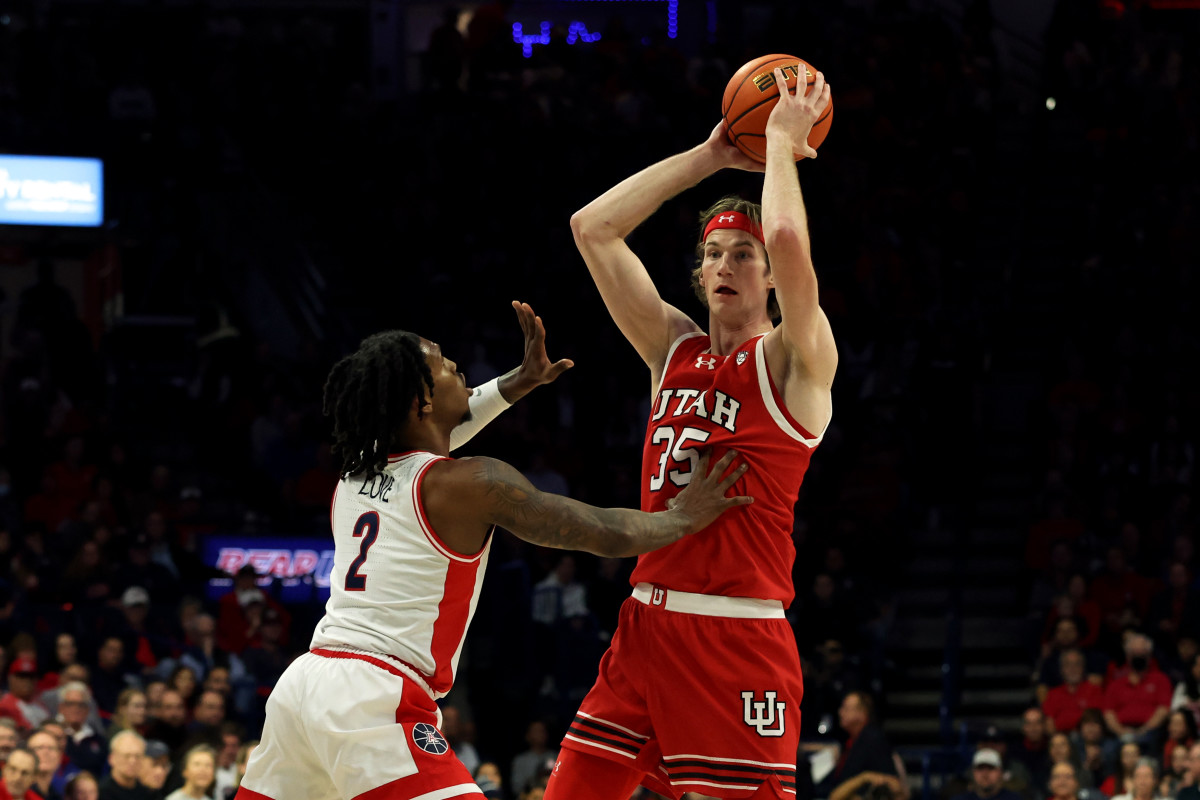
x: 751, y: 94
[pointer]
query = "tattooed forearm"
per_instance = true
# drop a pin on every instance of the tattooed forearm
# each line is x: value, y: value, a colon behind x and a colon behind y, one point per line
x: 560, y: 522
x: 508, y: 495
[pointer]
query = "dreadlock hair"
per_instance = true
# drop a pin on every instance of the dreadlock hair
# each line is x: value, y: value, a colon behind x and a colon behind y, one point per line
x: 730, y: 202
x: 369, y: 393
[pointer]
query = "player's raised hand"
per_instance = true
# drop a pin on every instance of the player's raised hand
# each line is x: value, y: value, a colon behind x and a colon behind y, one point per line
x: 703, y: 499
x: 725, y: 151
x: 536, y: 368
x: 795, y: 113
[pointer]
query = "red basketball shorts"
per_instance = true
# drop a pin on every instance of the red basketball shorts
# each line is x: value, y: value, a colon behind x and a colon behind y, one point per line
x: 701, y: 693
x: 347, y: 724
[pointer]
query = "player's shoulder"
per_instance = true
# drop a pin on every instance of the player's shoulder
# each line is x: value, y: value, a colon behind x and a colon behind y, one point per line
x: 464, y: 473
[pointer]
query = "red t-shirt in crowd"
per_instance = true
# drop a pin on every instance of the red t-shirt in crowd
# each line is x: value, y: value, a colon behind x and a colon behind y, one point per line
x: 1066, y: 706
x: 1135, y: 704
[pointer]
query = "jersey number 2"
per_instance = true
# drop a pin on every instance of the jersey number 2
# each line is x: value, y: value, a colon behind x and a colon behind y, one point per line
x: 367, y: 524
x: 676, y: 450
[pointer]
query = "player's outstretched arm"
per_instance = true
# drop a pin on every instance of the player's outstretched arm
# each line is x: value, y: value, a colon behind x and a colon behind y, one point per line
x: 493, y: 397
x: 488, y: 491
x: 601, y: 227
x: 805, y: 330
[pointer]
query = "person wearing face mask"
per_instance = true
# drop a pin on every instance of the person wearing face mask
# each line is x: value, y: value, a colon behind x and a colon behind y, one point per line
x: 1137, y: 701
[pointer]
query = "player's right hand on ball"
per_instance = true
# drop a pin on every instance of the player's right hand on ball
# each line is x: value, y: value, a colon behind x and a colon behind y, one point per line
x: 796, y: 112
x: 703, y: 499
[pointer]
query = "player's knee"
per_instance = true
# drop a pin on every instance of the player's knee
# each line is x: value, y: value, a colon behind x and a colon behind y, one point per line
x: 582, y: 776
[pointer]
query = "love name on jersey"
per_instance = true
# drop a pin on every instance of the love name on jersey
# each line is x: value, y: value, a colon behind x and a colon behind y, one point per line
x: 377, y: 486
x: 720, y: 409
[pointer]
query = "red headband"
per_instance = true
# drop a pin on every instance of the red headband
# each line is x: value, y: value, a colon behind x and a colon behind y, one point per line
x: 736, y: 220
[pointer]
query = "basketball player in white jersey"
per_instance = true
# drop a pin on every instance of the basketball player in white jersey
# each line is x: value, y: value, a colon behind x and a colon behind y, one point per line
x: 356, y: 717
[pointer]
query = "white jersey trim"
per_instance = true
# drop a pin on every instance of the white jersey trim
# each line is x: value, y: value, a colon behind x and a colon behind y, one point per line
x: 613, y: 725
x: 598, y: 746
x: 768, y: 396
x: 427, y: 529
x: 451, y: 791
x: 719, y: 759
x: 667, y: 361
x: 393, y: 662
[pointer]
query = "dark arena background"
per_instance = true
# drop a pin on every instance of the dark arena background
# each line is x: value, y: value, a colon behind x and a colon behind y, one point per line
x: 231, y: 194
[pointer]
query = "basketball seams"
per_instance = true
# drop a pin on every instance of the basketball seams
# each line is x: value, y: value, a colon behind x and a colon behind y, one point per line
x: 733, y: 90
x: 749, y: 74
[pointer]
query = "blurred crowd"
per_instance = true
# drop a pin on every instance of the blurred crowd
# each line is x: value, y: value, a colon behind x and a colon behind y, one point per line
x: 124, y: 447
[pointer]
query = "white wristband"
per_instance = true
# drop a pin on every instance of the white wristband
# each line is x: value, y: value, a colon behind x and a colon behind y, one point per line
x: 486, y: 403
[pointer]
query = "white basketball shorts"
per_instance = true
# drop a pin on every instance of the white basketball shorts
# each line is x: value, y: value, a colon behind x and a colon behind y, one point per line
x: 345, y: 724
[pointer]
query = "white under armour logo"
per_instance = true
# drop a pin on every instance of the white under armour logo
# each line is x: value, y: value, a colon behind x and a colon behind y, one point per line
x: 726, y: 218
x: 764, y: 717
x: 709, y: 362
x: 741, y: 358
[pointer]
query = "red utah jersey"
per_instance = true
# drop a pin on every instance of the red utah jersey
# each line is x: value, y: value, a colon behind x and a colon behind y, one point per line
x: 725, y: 402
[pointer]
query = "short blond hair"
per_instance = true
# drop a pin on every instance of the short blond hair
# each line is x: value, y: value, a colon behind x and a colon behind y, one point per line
x: 730, y: 202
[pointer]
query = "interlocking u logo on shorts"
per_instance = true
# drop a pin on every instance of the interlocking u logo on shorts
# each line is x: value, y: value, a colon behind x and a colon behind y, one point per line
x: 762, y: 715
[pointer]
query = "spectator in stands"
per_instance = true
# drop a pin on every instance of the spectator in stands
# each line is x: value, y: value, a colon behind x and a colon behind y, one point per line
x: 125, y: 757
x: 209, y: 712
x: 52, y: 774
x: 156, y: 766
x: 66, y: 653
x: 19, y: 703
x: 1137, y: 700
x: 110, y: 678
x: 183, y: 680
x: 168, y: 723
x: 1144, y: 784
x: 1189, y: 788
x: 987, y: 778
x: 454, y: 729
x: 83, y: 786
x: 526, y: 764
x: 1176, y: 609
x: 1064, y: 784
x: 867, y: 785
x: 241, y: 613
x: 138, y: 570
x: 74, y: 673
x: 488, y: 779
x: 1031, y: 750
x: 1064, y: 704
x: 1091, y: 744
x: 1175, y: 772
x: 243, y: 756
x: 9, y: 738
x: 18, y: 776
x: 264, y: 662
x: 130, y: 714
x: 1180, y: 735
x: 1059, y: 749
x: 227, y: 775
x: 1187, y: 692
x: 865, y: 748
x: 219, y: 679
x: 199, y: 770
x: 203, y: 655
x: 1121, y: 593
x: 143, y: 640
x: 1066, y: 637
x: 1121, y: 781
x: 86, y: 748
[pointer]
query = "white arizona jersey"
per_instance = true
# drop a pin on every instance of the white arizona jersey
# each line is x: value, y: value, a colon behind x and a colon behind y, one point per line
x: 396, y: 588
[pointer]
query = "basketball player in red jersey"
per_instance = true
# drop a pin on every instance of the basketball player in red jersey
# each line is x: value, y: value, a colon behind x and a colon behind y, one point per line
x: 356, y: 716
x: 700, y: 689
